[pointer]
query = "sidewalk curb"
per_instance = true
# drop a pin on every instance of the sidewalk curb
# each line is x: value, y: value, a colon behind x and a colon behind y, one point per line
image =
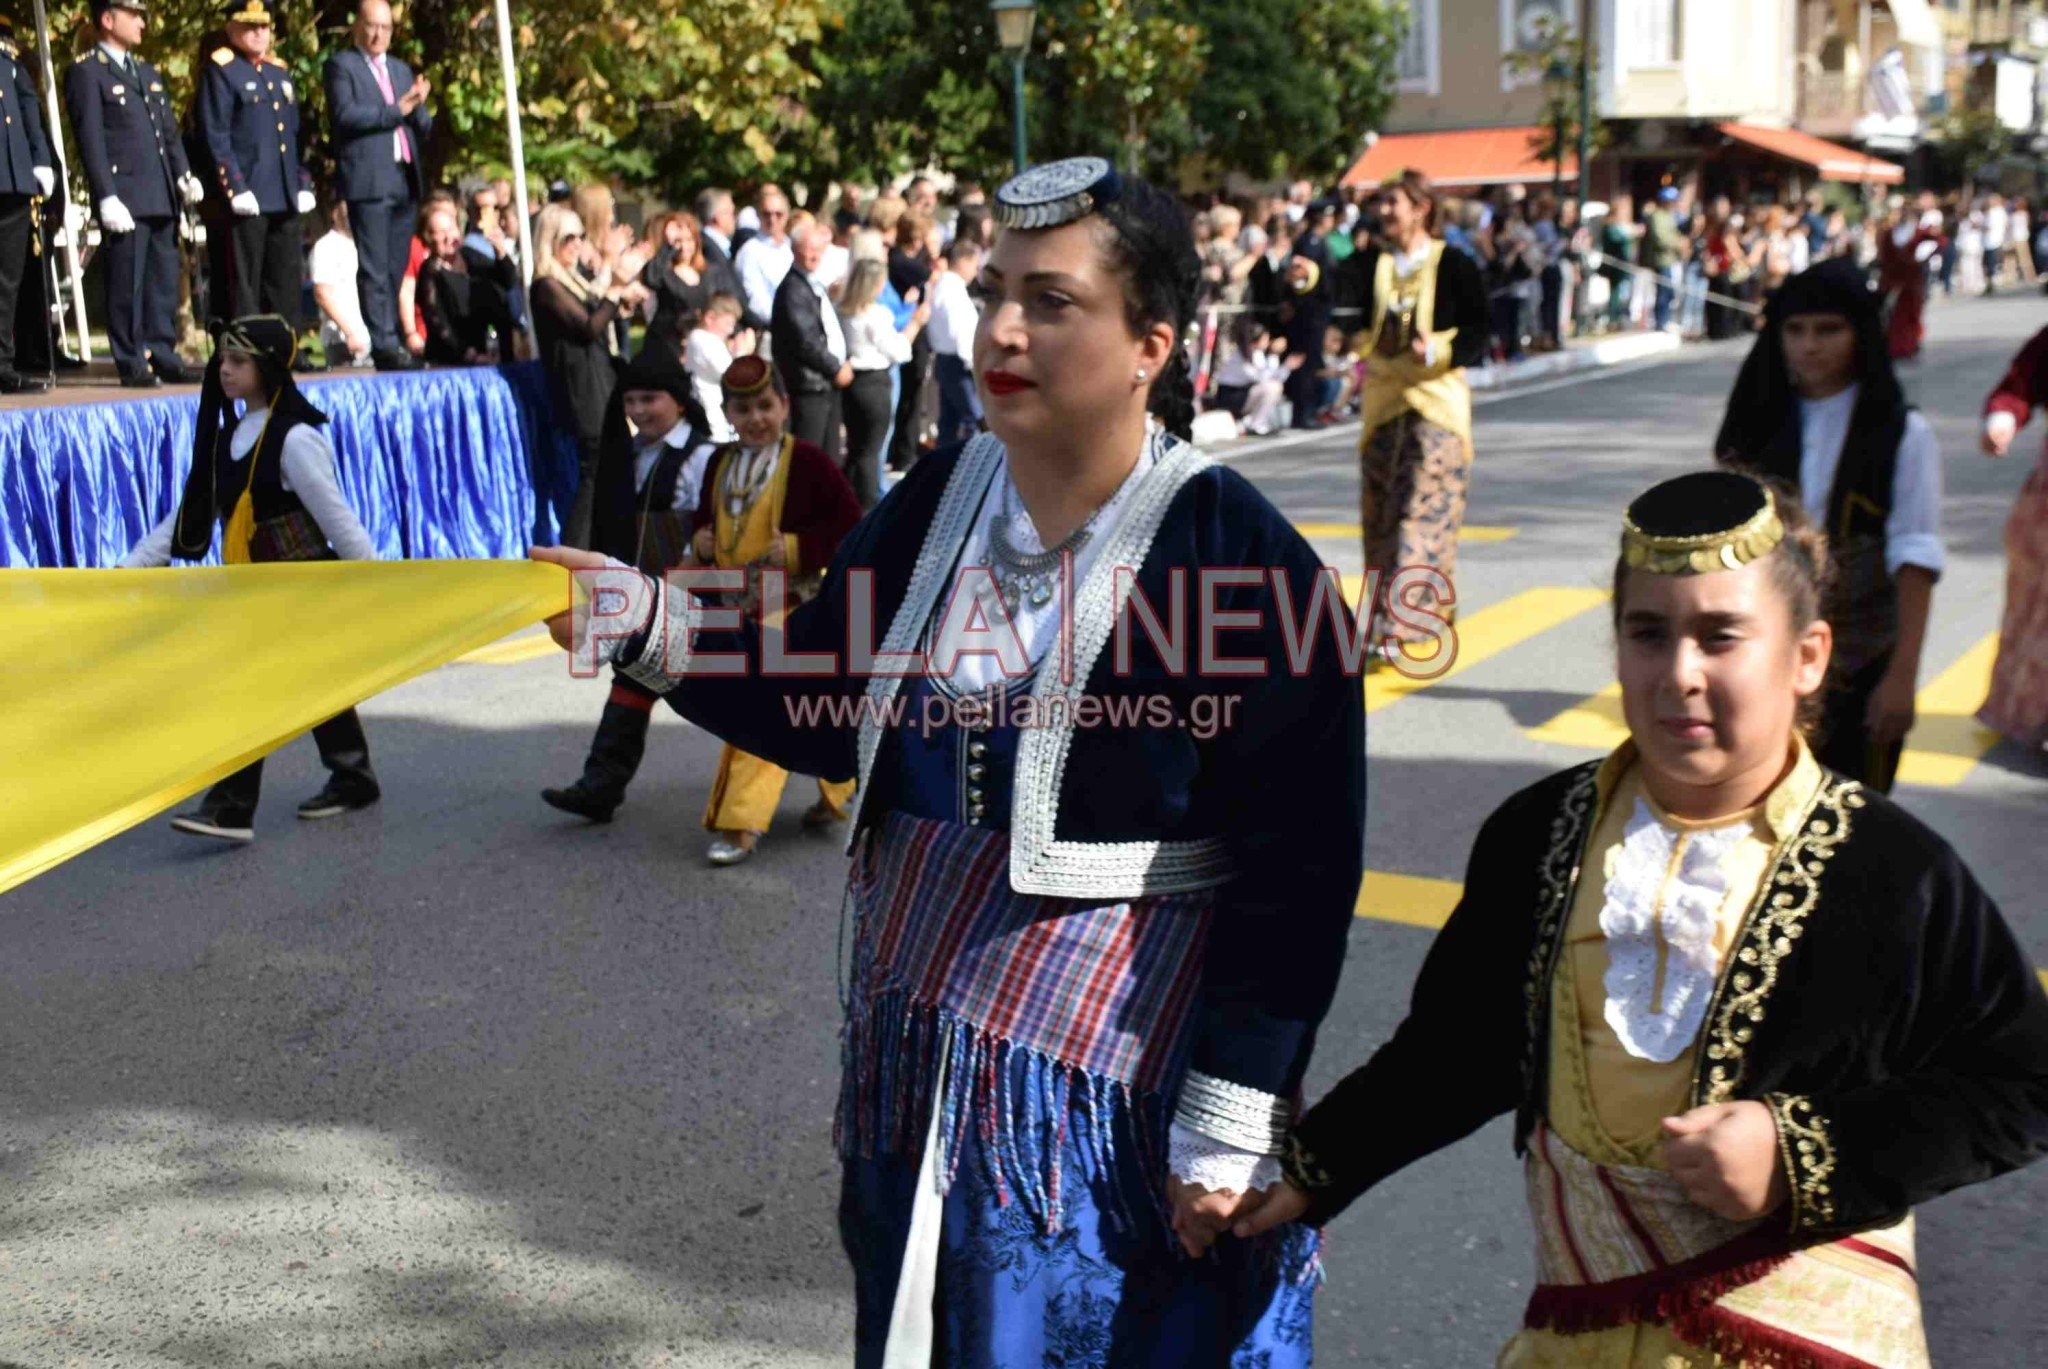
x: 1593, y: 356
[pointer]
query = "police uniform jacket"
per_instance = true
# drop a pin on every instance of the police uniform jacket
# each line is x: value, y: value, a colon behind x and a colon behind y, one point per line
x: 127, y: 136
x: 249, y: 117
x: 22, y: 145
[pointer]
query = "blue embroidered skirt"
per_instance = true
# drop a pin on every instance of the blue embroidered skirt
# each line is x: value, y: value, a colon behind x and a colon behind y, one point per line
x: 1050, y: 1035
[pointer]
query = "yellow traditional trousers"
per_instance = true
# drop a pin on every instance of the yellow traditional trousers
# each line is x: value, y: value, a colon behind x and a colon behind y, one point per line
x: 748, y: 789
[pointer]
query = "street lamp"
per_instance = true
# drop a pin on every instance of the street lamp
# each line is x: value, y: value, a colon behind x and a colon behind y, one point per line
x: 1014, y: 21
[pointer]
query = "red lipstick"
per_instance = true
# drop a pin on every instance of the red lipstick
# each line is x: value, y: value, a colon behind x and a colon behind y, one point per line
x: 1001, y: 382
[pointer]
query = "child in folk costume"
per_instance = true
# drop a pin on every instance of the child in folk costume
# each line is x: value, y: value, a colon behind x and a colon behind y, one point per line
x: 768, y: 501
x: 1089, y: 961
x: 651, y: 459
x: 1747, y: 1012
x: 268, y: 480
x: 1906, y: 241
x: 1818, y: 406
x: 2017, y: 705
x: 1425, y: 321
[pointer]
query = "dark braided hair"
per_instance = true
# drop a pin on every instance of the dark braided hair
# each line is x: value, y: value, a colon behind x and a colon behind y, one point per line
x: 1153, y: 246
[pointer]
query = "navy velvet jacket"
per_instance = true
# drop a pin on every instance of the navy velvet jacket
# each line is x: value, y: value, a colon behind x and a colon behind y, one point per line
x: 1274, y: 803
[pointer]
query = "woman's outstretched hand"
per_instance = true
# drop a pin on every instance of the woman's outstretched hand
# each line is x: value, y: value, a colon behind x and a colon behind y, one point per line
x: 562, y: 626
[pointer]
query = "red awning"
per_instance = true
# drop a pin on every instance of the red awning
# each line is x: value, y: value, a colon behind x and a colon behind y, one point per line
x: 1459, y: 157
x: 1833, y: 161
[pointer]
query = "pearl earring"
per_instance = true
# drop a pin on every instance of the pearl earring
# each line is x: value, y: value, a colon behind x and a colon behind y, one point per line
x: 1141, y: 373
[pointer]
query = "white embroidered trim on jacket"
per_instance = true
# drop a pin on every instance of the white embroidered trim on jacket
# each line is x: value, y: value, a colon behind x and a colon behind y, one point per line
x: 669, y: 637
x: 1194, y: 1158
x: 1234, y: 1114
x: 1667, y: 888
x: 1039, y: 863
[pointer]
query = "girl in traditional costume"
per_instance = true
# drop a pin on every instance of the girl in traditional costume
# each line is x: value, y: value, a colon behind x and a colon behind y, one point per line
x: 1089, y: 957
x: 268, y: 480
x: 1747, y: 1013
x: 1425, y: 321
x: 1818, y: 407
x: 650, y: 478
x: 2018, y: 703
x: 771, y: 501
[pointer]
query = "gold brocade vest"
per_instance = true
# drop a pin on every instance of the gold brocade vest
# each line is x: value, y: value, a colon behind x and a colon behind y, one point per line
x: 742, y: 541
x: 1400, y: 384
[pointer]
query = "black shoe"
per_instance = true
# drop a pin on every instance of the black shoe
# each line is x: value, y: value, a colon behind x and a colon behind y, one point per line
x: 67, y: 362
x: 395, y: 361
x: 598, y: 805
x: 12, y: 383
x: 334, y: 800
x: 174, y: 371
x: 140, y: 380
x: 221, y: 827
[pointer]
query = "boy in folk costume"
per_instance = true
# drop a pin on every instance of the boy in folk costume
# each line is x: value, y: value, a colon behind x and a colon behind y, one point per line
x: 769, y: 501
x: 651, y: 459
x: 1818, y: 407
x: 268, y: 479
x: 1747, y: 1013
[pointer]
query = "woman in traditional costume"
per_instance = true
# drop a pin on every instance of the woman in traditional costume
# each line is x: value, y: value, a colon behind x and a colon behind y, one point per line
x: 1747, y: 1013
x: 1818, y: 407
x: 268, y: 480
x: 1425, y: 321
x: 769, y: 501
x: 1905, y: 244
x: 1091, y: 946
x: 2017, y: 705
x: 650, y: 479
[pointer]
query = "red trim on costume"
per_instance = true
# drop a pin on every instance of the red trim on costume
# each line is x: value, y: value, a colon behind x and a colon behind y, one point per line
x: 1663, y: 1295
x: 630, y: 695
x: 1753, y: 1344
x: 1890, y: 1257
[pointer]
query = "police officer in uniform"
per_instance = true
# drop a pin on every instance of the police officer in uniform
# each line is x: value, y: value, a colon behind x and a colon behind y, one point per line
x: 136, y: 167
x: 25, y: 179
x: 249, y: 120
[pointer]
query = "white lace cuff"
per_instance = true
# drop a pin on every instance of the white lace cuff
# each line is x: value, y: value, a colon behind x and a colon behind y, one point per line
x: 1233, y: 1113
x: 670, y: 628
x: 1217, y: 1166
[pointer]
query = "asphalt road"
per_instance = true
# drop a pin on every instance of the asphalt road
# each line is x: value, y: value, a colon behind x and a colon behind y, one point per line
x: 461, y: 1081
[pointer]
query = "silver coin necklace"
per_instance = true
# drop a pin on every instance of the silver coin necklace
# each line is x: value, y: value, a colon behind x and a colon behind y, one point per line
x: 1028, y: 578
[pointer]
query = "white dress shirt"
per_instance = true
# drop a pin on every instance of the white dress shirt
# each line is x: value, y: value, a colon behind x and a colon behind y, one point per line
x: 308, y: 461
x: 690, y: 483
x: 872, y: 342
x: 706, y: 357
x: 762, y: 263
x: 828, y: 314
x: 1912, y: 531
x: 954, y: 317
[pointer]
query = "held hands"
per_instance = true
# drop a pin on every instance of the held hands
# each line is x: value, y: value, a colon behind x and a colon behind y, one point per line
x: 844, y: 376
x: 1200, y: 1214
x: 1725, y: 1156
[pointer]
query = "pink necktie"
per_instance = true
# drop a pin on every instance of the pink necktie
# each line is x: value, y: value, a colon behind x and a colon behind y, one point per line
x: 383, y: 78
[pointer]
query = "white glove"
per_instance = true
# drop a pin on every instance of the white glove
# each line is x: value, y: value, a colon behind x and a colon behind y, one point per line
x: 243, y: 202
x: 114, y: 216
x: 306, y: 201
x: 194, y: 191
x: 47, y: 179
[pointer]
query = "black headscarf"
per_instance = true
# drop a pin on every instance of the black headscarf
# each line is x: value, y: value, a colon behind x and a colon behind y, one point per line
x: 613, y: 528
x: 214, y: 486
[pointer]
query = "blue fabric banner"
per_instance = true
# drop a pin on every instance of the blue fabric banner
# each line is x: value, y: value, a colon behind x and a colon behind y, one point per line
x: 438, y: 464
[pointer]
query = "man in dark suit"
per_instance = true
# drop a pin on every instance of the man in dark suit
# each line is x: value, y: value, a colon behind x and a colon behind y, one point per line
x: 379, y: 112
x: 249, y: 118
x: 810, y: 346
x: 135, y: 164
x: 718, y: 218
x: 25, y: 177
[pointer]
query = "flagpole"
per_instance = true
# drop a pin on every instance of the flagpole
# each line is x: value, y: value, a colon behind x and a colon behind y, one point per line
x: 510, y: 65
x: 56, y: 131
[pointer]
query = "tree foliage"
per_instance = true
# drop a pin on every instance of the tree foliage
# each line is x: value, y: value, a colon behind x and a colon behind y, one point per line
x: 1554, y: 59
x: 672, y: 94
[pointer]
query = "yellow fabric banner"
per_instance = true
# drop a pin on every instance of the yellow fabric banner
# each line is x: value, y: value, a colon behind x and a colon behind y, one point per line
x: 124, y: 691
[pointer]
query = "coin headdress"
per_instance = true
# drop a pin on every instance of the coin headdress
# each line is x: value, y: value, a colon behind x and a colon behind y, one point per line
x: 1706, y: 521
x: 1056, y: 193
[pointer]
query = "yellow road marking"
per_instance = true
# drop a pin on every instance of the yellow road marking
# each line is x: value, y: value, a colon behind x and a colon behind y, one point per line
x: 1482, y: 635
x: 1947, y: 741
x: 1417, y: 901
x: 1471, y: 532
x: 526, y: 646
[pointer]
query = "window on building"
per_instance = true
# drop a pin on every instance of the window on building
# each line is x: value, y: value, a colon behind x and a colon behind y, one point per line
x: 1649, y: 34
x: 1415, y: 66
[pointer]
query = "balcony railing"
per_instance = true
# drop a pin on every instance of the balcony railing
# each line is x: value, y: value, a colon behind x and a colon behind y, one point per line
x: 1829, y: 100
